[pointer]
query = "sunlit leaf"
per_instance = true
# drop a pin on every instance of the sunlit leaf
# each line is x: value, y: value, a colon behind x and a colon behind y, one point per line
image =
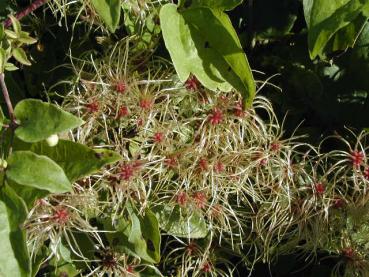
x: 195, y: 40
x: 109, y: 11
x: 28, y: 169
x: 14, y: 260
x: 39, y: 120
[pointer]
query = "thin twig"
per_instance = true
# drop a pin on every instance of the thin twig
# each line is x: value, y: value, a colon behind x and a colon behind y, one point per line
x: 31, y: 8
x: 7, y: 98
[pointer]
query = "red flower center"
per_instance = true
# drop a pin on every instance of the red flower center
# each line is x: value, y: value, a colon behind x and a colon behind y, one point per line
x: 182, y: 198
x: 200, y: 199
x: 123, y: 111
x: 348, y: 252
x: 121, y: 87
x: 126, y: 172
x: 158, y: 137
x: 219, y: 167
x: 275, y: 146
x: 319, y: 188
x: 92, y: 107
x: 206, y: 267
x: 192, y: 83
x: 129, y: 269
x: 61, y: 216
x: 356, y: 158
x: 146, y: 103
x: 216, y: 117
x: 203, y: 164
x: 338, y: 203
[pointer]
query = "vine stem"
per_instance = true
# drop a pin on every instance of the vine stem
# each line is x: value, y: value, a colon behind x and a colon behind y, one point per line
x: 7, y: 98
x: 19, y: 15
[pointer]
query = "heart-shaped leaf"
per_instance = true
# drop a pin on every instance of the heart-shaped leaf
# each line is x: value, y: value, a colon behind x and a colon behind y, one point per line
x: 39, y: 120
x: 28, y: 169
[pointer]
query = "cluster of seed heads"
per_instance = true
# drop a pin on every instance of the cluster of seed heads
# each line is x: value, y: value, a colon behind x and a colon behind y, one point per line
x: 185, y: 147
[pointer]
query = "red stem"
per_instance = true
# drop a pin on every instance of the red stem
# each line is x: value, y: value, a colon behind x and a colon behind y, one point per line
x: 19, y: 15
x: 7, y: 98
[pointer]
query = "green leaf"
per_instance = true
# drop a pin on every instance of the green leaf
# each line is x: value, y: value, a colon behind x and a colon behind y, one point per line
x: 10, y: 34
x: 326, y: 18
x: 2, y: 33
x: 138, y: 236
x: 25, y: 38
x: 63, y: 265
x: 21, y: 56
x: 195, y: 40
x: 347, y: 36
x: 150, y: 272
x: 224, y: 5
x: 86, y: 248
x: 77, y: 160
x: 16, y: 25
x: 29, y: 195
x: 28, y: 169
x: 109, y: 11
x: 39, y: 260
x: 151, y: 234
x: 10, y: 67
x: 39, y: 120
x: 14, y: 259
x: 177, y: 224
x: 3, y: 59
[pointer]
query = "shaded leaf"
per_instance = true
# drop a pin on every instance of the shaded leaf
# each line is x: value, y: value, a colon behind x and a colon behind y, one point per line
x: 29, y: 169
x: 150, y: 272
x: 347, y: 36
x: 224, y: 5
x: 77, y: 160
x: 176, y: 224
x: 39, y: 260
x: 29, y: 195
x: 2, y: 33
x: 275, y: 21
x: 326, y: 18
x: 138, y: 236
x: 39, y: 120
